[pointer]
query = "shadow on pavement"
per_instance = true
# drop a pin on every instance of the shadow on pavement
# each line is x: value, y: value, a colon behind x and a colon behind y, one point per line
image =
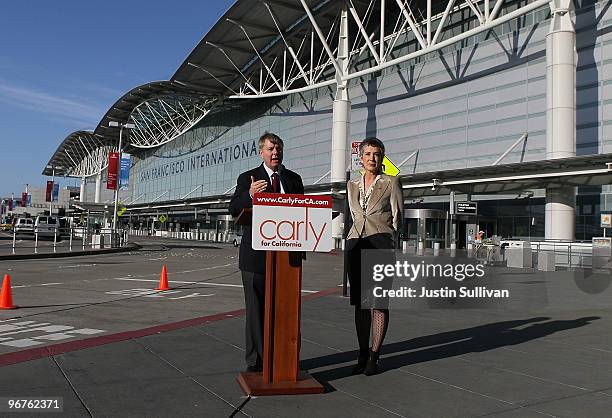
x: 446, y: 344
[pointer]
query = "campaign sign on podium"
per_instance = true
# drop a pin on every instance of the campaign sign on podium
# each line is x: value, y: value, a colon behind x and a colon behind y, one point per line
x: 292, y: 222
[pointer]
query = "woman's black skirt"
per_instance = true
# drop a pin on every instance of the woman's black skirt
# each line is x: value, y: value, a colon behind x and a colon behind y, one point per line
x: 362, y: 257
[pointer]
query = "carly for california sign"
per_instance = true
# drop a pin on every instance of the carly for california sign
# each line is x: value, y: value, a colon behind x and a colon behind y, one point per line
x: 292, y: 222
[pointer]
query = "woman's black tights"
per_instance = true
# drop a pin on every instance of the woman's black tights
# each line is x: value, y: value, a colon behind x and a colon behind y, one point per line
x: 377, y: 320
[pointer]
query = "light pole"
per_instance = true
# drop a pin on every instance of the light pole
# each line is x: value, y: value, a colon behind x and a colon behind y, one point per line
x: 120, y: 125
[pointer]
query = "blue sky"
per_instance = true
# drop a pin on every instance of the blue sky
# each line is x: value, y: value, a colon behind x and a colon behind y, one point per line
x: 64, y: 63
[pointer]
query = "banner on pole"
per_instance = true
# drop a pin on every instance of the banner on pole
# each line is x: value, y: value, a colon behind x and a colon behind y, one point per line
x: 113, y: 166
x: 55, y: 192
x: 124, y: 176
x: 48, y: 191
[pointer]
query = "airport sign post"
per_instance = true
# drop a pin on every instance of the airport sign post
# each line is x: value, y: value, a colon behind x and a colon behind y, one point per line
x: 119, y: 125
x: 466, y: 208
x: 355, y: 160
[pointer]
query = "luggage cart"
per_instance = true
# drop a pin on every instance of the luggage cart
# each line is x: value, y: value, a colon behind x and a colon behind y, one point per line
x: 488, y: 252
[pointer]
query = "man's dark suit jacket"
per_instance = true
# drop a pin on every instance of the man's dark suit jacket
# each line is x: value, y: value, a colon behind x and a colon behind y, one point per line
x: 249, y: 259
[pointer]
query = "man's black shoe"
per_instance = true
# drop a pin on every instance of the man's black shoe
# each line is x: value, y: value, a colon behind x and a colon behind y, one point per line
x: 255, y: 368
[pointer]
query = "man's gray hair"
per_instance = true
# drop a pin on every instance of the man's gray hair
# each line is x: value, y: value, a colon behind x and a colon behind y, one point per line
x: 275, y: 139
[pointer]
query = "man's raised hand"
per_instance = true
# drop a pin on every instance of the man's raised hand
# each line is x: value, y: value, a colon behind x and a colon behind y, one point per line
x: 257, y: 186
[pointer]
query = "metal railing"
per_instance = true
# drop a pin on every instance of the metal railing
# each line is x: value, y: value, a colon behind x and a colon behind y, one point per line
x: 68, y: 239
x: 195, y: 235
x: 566, y: 254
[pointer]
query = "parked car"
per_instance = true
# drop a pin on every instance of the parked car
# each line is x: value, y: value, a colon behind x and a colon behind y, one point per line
x: 24, y: 226
x: 47, y: 226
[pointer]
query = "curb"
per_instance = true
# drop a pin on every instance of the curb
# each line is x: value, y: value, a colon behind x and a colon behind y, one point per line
x: 129, y: 247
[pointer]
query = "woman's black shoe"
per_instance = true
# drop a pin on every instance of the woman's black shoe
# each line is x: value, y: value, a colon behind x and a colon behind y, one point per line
x: 371, y: 366
x: 361, y: 362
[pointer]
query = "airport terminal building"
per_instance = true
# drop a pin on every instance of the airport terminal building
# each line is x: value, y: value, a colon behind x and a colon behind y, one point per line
x: 503, y: 105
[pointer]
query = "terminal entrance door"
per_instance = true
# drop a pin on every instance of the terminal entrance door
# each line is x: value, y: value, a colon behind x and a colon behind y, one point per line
x: 426, y: 226
x: 224, y: 226
x: 468, y: 227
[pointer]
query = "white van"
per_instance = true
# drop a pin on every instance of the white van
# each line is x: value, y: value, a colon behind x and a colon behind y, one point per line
x: 24, y: 226
x: 47, y: 226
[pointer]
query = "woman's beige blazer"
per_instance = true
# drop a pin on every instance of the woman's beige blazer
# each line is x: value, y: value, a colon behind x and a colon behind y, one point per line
x: 385, y: 209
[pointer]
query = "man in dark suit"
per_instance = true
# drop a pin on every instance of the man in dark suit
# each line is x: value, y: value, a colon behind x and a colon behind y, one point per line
x: 271, y: 177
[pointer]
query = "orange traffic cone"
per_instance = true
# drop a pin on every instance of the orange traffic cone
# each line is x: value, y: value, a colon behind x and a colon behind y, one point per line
x: 6, y: 295
x: 163, y: 280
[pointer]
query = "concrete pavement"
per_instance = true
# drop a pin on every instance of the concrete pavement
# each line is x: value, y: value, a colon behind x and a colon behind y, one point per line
x: 179, y: 355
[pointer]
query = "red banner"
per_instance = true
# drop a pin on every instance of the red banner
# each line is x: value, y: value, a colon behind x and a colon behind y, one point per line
x: 24, y: 199
x: 48, y: 191
x: 113, y: 168
x: 10, y: 205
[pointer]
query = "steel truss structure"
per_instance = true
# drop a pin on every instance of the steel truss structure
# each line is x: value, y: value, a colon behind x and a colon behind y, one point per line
x: 81, y: 154
x: 268, y: 48
x: 160, y: 111
x: 289, y: 47
x: 162, y: 119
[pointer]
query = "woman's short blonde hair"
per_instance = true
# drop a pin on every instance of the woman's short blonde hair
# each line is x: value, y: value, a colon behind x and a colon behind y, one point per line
x: 372, y: 142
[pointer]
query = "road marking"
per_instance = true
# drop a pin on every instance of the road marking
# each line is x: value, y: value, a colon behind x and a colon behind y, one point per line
x: 207, y: 268
x: 148, y: 293
x: 202, y: 283
x: 193, y: 295
x: 42, y: 332
x: 11, y: 243
x: 76, y: 266
x: 35, y: 285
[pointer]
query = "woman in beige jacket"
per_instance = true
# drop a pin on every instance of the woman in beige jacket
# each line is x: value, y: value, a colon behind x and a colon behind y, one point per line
x: 376, y: 207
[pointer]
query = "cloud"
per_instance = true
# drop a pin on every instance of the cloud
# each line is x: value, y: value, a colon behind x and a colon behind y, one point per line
x: 100, y: 91
x: 51, y: 105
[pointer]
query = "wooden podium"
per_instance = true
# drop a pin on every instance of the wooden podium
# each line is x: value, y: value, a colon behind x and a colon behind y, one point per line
x: 281, y: 371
